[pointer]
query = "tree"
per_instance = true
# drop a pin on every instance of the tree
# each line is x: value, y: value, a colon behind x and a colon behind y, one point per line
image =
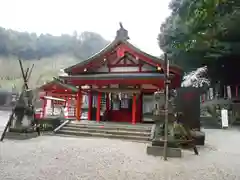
x: 200, y: 32
x: 88, y: 43
x: 30, y: 46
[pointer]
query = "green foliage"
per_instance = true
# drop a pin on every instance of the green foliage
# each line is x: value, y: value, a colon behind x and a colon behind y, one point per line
x: 199, y: 32
x: 30, y: 46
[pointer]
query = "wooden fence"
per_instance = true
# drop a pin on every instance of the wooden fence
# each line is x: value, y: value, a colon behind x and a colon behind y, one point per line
x: 226, y: 92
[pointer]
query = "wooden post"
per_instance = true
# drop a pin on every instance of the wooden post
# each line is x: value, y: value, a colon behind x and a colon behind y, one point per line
x: 90, y: 102
x: 134, y: 104
x: 98, y: 115
x: 78, y: 105
x: 167, y: 82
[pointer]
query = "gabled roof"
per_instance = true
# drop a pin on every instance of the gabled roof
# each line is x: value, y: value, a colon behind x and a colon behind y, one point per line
x: 108, y: 48
x: 114, y: 44
x: 122, y: 38
x: 154, y: 58
x: 59, y: 85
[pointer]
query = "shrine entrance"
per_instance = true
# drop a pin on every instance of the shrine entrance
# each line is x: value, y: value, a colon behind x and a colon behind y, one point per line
x: 117, y: 107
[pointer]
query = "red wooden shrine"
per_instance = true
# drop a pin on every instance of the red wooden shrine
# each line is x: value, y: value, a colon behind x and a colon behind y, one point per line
x: 115, y: 80
x: 58, y: 89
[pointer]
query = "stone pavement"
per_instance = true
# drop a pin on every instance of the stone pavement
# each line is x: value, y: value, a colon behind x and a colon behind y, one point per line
x: 67, y: 158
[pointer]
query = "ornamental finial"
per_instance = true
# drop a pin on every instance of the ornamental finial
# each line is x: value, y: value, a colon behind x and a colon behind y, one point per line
x: 121, y: 26
x: 122, y: 33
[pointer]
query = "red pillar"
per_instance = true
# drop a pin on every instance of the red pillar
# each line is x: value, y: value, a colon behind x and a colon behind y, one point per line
x: 90, y: 102
x: 98, y: 115
x: 78, y: 105
x: 44, y: 106
x: 134, y: 104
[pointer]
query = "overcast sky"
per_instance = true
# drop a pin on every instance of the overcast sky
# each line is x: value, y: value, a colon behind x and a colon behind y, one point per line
x: 141, y: 18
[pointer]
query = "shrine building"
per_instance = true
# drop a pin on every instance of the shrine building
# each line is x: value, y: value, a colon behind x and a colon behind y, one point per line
x: 116, y: 84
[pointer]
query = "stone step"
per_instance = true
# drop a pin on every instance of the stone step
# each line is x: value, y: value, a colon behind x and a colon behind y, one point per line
x: 111, y: 127
x: 103, y: 134
x: 210, y: 122
x: 125, y: 132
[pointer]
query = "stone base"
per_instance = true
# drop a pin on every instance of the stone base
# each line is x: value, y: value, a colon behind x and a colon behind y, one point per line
x: 22, y: 129
x: 20, y: 136
x: 159, y: 151
x: 199, y: 137
x: 171, y: 144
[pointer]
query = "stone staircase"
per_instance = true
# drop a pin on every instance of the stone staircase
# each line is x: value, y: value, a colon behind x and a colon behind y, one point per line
x: 141, y: 132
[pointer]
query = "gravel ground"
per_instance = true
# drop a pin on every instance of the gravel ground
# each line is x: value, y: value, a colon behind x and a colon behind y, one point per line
x: 67, y: 158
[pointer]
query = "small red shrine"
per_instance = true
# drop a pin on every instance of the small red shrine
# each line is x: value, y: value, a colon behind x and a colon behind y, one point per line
x: 58, y: 89
x: 115, y: 81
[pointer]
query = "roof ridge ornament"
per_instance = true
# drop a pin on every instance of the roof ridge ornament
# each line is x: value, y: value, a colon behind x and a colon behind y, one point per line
x: 122, y: 33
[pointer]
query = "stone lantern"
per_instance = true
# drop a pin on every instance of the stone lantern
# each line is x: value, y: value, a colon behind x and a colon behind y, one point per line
x: 159, y: 115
